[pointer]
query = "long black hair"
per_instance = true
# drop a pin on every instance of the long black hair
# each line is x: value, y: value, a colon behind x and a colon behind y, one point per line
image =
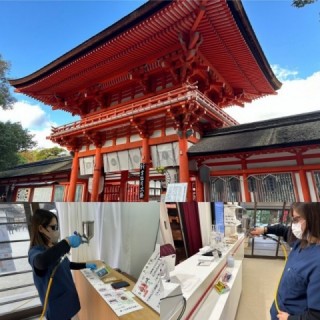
x: 41, y: 217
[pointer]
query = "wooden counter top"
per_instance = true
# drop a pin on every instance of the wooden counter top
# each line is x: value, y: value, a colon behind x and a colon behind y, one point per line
x: 94, y: 307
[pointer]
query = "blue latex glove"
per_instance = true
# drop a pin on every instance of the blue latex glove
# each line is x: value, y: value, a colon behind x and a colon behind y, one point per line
x: 91, y: 266
x: 74, y: 240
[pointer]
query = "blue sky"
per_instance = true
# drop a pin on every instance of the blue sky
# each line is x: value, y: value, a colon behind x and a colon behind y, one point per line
x: 34, y: 33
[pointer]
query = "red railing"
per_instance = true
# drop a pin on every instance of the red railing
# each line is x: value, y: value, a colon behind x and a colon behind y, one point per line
x: 153, y: 105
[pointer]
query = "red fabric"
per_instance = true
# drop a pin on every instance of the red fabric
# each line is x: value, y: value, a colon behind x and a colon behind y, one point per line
x: 167, y: 250
x: 191, y: 221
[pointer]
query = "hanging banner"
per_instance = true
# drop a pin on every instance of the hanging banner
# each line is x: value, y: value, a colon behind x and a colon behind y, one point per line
x: 101, y: 184
x: 142, y: 180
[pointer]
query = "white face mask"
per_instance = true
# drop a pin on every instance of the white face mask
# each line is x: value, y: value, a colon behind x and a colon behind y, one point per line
x: 55, y: 237
x: 297, y: 230
x: 52, y: 236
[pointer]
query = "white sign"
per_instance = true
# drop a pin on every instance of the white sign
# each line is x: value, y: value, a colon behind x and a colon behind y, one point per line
x: 23, y: 194
x: 176, y: 192
x: 230, y: 218
x: 42, y: 194
x: 147, y: 287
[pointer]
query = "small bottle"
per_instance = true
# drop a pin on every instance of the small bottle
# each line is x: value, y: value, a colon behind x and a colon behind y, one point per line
x: 213, y: 243
x: 230, y: 261
x: 164, y: 272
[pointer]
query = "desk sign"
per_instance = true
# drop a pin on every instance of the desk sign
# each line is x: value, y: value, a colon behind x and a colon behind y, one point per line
x: 176, y: 192
x: 147, y: 287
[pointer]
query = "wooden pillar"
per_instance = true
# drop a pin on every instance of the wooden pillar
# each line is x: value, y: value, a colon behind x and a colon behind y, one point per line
x: 247, y: 196
x: 96, y: 175
x: 146, y: 160
x: 123, y: 185
x: 303, y: 179
x: 200, y: 189
x: 245, y: 181
x: 73, y: 177
x: 184, y: 163
x: 203, y: 183
x: 304, y: 186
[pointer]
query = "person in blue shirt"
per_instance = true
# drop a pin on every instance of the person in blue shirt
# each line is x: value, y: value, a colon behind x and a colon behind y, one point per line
x: 47, y: 257
x: 299, y: 287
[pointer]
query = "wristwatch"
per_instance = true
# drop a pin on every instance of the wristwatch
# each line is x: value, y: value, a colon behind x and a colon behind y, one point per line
x: 265, y: 230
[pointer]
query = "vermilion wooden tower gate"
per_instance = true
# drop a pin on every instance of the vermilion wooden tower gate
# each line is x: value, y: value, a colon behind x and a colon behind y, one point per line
x: 146, y: 89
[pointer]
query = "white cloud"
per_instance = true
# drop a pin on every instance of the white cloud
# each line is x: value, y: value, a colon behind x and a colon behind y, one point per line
x: 40, y: 137
x: 33, y: 118
x: 284, y: 74
x: 295, y: 96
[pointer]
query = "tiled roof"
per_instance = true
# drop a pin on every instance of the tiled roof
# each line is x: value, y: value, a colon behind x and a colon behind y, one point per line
x: 302, y: 129
x: 230, y: 46
x: 39, y: 167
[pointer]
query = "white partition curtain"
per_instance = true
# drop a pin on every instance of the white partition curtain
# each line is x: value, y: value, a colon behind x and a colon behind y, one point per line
x: 71, y: 215
x: 205, y: 221
x: 165, y: 228
x: 125, y: 234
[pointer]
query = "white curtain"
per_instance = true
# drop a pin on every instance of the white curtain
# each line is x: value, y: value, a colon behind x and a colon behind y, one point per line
x: 125, y: 234
x: 111, y: 235
x: 71, y: 215
x: 165, y: 228
x: 205, y: 222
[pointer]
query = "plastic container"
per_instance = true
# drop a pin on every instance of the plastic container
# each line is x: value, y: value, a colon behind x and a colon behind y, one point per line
x: 230, y: 261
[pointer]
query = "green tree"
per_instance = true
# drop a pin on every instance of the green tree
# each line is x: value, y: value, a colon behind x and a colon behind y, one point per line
x: 13, y: 139
x: 6, y: 99
x: 28, y: 156
x: 49, y: 153
x: 302, y: 3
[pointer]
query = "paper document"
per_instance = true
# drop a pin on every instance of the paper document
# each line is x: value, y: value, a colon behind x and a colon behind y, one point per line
x: 120, y: 301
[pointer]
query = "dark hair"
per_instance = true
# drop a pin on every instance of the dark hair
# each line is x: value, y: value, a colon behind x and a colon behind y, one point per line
x: 43, y: 218
x: 310, y: 211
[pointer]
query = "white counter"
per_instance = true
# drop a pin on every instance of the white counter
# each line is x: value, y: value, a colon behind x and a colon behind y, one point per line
x: 224, y: 306
x: 203, y: 302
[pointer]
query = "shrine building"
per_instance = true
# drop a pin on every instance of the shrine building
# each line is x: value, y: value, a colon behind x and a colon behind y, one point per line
x: 148, y: 89
x: 275, y: 160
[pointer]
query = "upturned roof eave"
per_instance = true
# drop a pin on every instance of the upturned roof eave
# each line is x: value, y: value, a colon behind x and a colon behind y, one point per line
x: 247, y: 31
x: 110, y: 32
x: 134, y: 18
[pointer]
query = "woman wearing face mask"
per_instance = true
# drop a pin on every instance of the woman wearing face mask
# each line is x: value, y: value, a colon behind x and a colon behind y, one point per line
x: 45, y: 254
x: 299, y: 288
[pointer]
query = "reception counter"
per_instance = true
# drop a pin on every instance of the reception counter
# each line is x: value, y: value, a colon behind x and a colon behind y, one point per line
x: 93, y: 306
x: 197, y: 285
